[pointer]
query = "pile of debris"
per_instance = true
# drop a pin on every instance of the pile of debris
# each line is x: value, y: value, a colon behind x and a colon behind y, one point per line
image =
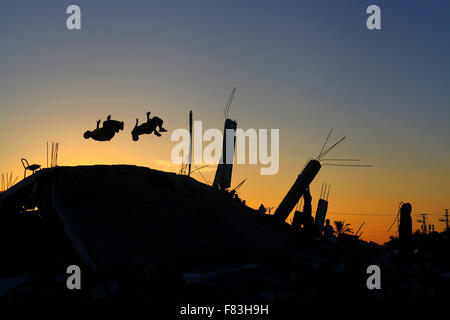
x: 143, y: 234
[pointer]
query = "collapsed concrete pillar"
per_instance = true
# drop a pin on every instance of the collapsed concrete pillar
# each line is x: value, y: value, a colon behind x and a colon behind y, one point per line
x: 222, y: 179
x: 321, y: 213
x: 297, y: 190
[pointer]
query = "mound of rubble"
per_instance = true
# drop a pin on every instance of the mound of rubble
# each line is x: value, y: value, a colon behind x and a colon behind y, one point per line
x: 143, y: 234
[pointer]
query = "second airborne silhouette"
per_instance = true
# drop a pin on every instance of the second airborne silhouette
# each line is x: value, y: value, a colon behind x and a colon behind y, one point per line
x: 148, y: 127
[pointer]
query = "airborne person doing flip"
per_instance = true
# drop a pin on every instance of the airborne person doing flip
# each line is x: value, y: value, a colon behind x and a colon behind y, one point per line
x: 105, y: 133
x: 148, y: 127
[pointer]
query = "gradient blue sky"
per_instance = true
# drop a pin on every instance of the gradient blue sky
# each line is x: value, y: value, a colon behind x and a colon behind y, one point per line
x: 300, y: 66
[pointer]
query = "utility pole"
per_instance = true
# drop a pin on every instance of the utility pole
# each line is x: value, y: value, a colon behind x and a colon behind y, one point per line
x: 423, y: 221
x: 190, y: 143
x: 445, y: 220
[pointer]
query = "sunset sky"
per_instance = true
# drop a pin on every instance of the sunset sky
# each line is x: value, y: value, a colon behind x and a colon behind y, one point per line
x: 299, y: 66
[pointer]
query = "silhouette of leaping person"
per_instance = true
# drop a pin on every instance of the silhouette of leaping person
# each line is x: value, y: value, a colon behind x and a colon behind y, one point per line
x: 148, y: 128
x: 112, y: 125
x: 105, y: 133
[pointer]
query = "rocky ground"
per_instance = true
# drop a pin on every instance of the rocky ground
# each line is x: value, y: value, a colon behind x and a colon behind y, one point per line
x: 144, y: 235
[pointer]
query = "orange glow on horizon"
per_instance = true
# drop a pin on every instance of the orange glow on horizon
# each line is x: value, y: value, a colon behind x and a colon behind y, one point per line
x: 358, y: 201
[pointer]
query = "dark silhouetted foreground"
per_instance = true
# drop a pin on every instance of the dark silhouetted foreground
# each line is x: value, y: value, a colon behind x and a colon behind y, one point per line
x: 144, y: 235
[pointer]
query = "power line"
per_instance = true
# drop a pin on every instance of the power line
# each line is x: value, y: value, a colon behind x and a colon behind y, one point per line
x: 445, y: 220
x: 362, y: 214
x: 423, y: 220
x: 397, y: 217
x: 375, y: 214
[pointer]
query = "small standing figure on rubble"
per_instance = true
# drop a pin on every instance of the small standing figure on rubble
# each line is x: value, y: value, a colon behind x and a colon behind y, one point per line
x: 148, y: 127
x: 405, y: 227
x: 105, y: 133
x: 328, y: 230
